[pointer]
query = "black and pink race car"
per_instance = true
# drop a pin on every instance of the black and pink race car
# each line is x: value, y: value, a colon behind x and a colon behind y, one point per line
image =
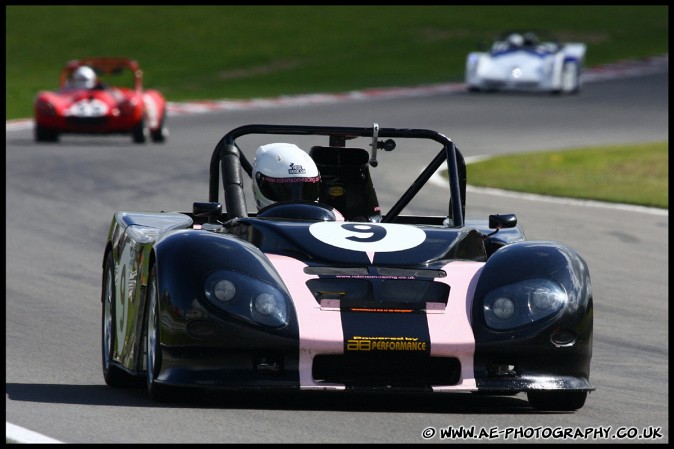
x: 112, y: 101
x: 347, y: 293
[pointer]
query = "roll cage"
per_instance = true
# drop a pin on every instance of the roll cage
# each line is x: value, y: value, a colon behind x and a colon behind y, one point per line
x: 105, y: 66
x: 227, y: 159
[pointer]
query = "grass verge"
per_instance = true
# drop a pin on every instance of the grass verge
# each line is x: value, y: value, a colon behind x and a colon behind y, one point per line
x: 635, y: 174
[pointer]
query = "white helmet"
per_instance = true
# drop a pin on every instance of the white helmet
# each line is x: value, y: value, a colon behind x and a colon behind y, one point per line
x: 516, y: 40
x: 84, y: 78
x: 284, y: 172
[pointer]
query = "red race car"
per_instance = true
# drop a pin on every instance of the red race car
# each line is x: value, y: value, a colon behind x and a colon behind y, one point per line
x: 85, y: 104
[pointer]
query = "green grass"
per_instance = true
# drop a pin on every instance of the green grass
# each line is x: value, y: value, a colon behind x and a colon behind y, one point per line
x: 219, y: 52
x: 634, y: 174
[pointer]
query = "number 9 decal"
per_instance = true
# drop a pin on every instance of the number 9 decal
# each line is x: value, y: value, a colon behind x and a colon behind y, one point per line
x: 368, y: 232
x: 368, y: 237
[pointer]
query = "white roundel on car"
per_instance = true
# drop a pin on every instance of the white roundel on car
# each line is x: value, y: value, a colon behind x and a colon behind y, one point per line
x: 368, y: 237
x: 88, y: 108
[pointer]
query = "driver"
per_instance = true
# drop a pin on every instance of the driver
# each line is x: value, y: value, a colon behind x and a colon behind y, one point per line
x: 284, y: 172
x: 515, y: 40
x: 84, y: 78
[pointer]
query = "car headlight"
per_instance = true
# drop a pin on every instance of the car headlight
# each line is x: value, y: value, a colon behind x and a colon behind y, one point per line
x: 224, y: 290
x: 247, y: 297
x: 523, y: 302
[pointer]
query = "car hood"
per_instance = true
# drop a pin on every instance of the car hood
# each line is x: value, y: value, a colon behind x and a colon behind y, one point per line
x: 337, y: 242
x: 68, y: 97
x: 521, y: 64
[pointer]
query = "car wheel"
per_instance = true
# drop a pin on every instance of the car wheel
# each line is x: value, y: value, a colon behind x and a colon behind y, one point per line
x: 160, y: 134
x: 140, y: 132
x: 153, y: 355
x: 561, y: 401
x: 114, y: 376
x: 570, y: 78
x: 45, y: 135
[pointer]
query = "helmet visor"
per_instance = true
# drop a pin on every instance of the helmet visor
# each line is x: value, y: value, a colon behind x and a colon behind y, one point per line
x: 289, y: 189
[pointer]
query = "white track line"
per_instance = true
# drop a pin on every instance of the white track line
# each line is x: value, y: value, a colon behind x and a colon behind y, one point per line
x: 18, y: 434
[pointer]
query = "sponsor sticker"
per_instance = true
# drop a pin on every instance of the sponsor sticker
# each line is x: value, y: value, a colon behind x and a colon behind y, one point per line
x: 360, y: 343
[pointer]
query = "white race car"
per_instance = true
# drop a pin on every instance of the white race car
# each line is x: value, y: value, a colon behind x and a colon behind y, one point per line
x: 523, y: 62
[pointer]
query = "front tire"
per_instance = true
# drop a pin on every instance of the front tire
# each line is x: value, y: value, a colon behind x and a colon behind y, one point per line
x: 114, y: 376
x: 43, y: 134
x: 153, y: 355
x: 140, y: 132
x: 570, y: 82
x: 558, y: 401
x: 160, y: 134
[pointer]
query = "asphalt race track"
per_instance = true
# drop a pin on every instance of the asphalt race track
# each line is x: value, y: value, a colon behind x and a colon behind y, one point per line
x: 61, y: 198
